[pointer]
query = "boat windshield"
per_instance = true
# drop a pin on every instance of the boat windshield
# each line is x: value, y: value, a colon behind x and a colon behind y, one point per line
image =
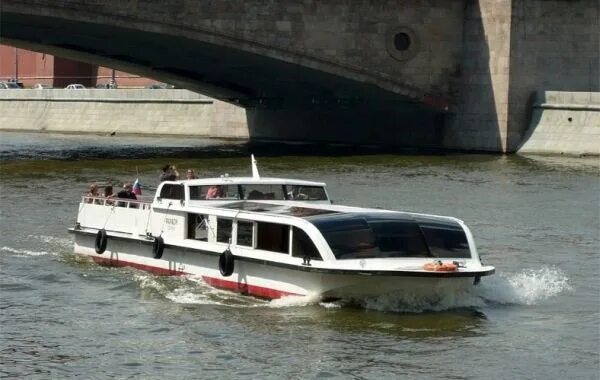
x: 363, y: 235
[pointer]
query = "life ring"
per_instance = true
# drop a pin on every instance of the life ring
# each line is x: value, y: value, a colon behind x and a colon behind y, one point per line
x: 438, y: 266
x: 226, y: 260
x: 101, y: 240
x: 158, y: 246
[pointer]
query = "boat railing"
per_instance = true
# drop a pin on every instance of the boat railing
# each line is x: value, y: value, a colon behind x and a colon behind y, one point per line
x: 119, y: 202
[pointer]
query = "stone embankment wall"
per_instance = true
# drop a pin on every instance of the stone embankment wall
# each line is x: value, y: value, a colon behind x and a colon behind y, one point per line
x: 565, y: 123
x: 148, y: 112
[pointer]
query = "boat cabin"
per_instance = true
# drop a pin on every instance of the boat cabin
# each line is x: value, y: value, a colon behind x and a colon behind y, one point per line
x: 242, y: 188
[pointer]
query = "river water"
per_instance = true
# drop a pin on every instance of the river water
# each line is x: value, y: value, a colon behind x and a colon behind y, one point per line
x: 537, y: 219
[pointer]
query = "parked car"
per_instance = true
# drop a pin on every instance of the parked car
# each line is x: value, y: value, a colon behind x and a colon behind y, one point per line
x: 8, y: 85
x: 75, y: 86
x: 106, y: 85
x: 160, y: 86
x: 41, y: 86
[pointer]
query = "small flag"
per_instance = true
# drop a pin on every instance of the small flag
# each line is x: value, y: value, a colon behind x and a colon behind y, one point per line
x: 137, y: 187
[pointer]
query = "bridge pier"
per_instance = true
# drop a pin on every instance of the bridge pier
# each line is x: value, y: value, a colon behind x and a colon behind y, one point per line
x: 511, y: 49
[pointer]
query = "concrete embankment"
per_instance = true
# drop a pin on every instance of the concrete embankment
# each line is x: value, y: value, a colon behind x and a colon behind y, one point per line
x: 126, y: 111
x: 564, y: 123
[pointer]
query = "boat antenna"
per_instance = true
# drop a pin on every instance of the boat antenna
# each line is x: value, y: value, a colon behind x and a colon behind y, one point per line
x: 254, y: 168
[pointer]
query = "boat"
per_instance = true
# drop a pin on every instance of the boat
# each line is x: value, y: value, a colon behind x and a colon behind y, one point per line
x: 279, y: 243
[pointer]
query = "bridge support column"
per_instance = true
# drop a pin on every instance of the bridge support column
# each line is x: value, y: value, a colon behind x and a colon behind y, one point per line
x: 482, y: 120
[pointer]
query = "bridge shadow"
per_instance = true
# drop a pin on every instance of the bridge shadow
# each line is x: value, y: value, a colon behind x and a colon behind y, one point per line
x: 480, y: 110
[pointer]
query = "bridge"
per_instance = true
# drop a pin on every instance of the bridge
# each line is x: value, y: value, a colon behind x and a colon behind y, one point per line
x: 435, y: 73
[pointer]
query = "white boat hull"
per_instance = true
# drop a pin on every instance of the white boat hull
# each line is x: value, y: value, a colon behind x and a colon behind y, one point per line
x: 262, y: 279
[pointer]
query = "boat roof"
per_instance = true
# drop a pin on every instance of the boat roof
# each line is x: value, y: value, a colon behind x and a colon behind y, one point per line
x: 224, y: 180
x: 316, y: 213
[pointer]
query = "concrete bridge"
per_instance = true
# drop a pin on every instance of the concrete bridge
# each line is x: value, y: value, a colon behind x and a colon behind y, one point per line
x: 431, y: 73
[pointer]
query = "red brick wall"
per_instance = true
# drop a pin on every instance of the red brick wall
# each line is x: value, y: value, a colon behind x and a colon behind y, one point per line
x: 43, y: 68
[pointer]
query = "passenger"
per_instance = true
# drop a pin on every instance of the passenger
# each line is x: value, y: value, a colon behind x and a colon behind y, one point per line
x: 255, y: 194
x: 93, y: 192
x: 169, y: 173
x: 127, y: 193
x: 214, y: 192
x: 190, y: 174
x: 108, y: 194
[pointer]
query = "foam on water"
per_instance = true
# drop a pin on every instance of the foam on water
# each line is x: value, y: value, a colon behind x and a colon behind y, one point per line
x: 51, y: 243
x: 293, y: 301
x: 189, y: 290
x: 23, y: 252
x: 528, y: 287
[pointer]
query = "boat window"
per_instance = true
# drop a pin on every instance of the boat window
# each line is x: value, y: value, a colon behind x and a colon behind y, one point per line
x: 392, y: 235
x: 244, y: 233
x: 305, y: 193
x: 399, y: 238
x: 350, y: 238
x: 198, y: 227
x: 272, y: 237
x: 214, y: 192
x: 224, y: 230
x: 172, y: 191
x: 302, y: 245
x: 446, y: 240
x: 261, y: 191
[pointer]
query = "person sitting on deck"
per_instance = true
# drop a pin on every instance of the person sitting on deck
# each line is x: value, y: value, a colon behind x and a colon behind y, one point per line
x: 108, y: 194
x: 93, y: 192
x: 169, y: 173
x: 190, y: 174
x: 214, y: 192
x: 126, y: 193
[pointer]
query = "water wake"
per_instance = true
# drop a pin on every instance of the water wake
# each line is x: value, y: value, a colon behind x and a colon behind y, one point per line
x: 191, y: 291
x: 528, y: 287
x: 51, y: 244
x: 23, y: 252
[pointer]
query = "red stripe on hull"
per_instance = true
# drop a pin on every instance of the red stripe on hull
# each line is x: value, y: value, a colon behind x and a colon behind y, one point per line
x: 120, y: 263
x: 238, y: 287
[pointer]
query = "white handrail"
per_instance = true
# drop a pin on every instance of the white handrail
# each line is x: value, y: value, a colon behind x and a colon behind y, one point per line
x: 119, y: 202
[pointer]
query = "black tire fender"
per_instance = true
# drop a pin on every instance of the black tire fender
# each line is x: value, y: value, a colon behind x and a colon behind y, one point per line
x: 101, y: 240
x: 158, y: 246
x: 226, y: 263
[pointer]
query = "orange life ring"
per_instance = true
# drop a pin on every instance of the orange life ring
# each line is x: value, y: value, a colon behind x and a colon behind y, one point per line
x: 440, y: 267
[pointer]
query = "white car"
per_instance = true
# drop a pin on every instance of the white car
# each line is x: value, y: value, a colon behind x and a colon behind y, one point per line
x: 41, y: 86
x: 75, y: 86
x: 8, y: 86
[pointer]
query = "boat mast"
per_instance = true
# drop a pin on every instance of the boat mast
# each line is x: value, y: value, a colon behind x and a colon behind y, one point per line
x: 255, y: 174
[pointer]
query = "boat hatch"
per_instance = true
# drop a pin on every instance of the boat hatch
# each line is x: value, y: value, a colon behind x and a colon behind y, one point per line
x: 380, y: 235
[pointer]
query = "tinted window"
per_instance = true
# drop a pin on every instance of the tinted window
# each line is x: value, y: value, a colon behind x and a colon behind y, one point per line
x: 399, y: 238
x: 349, y: 238
x: 263, y: 192
x: 305, y: 193
x: 172, y: 192
x: 389, y: 235
x: 198, y: 227
x: 446, y: 240
x: 224, y: 230
x: 303, y: 246
x: 244, y: 233
x: 272, y: 237
x: 214, y: 192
